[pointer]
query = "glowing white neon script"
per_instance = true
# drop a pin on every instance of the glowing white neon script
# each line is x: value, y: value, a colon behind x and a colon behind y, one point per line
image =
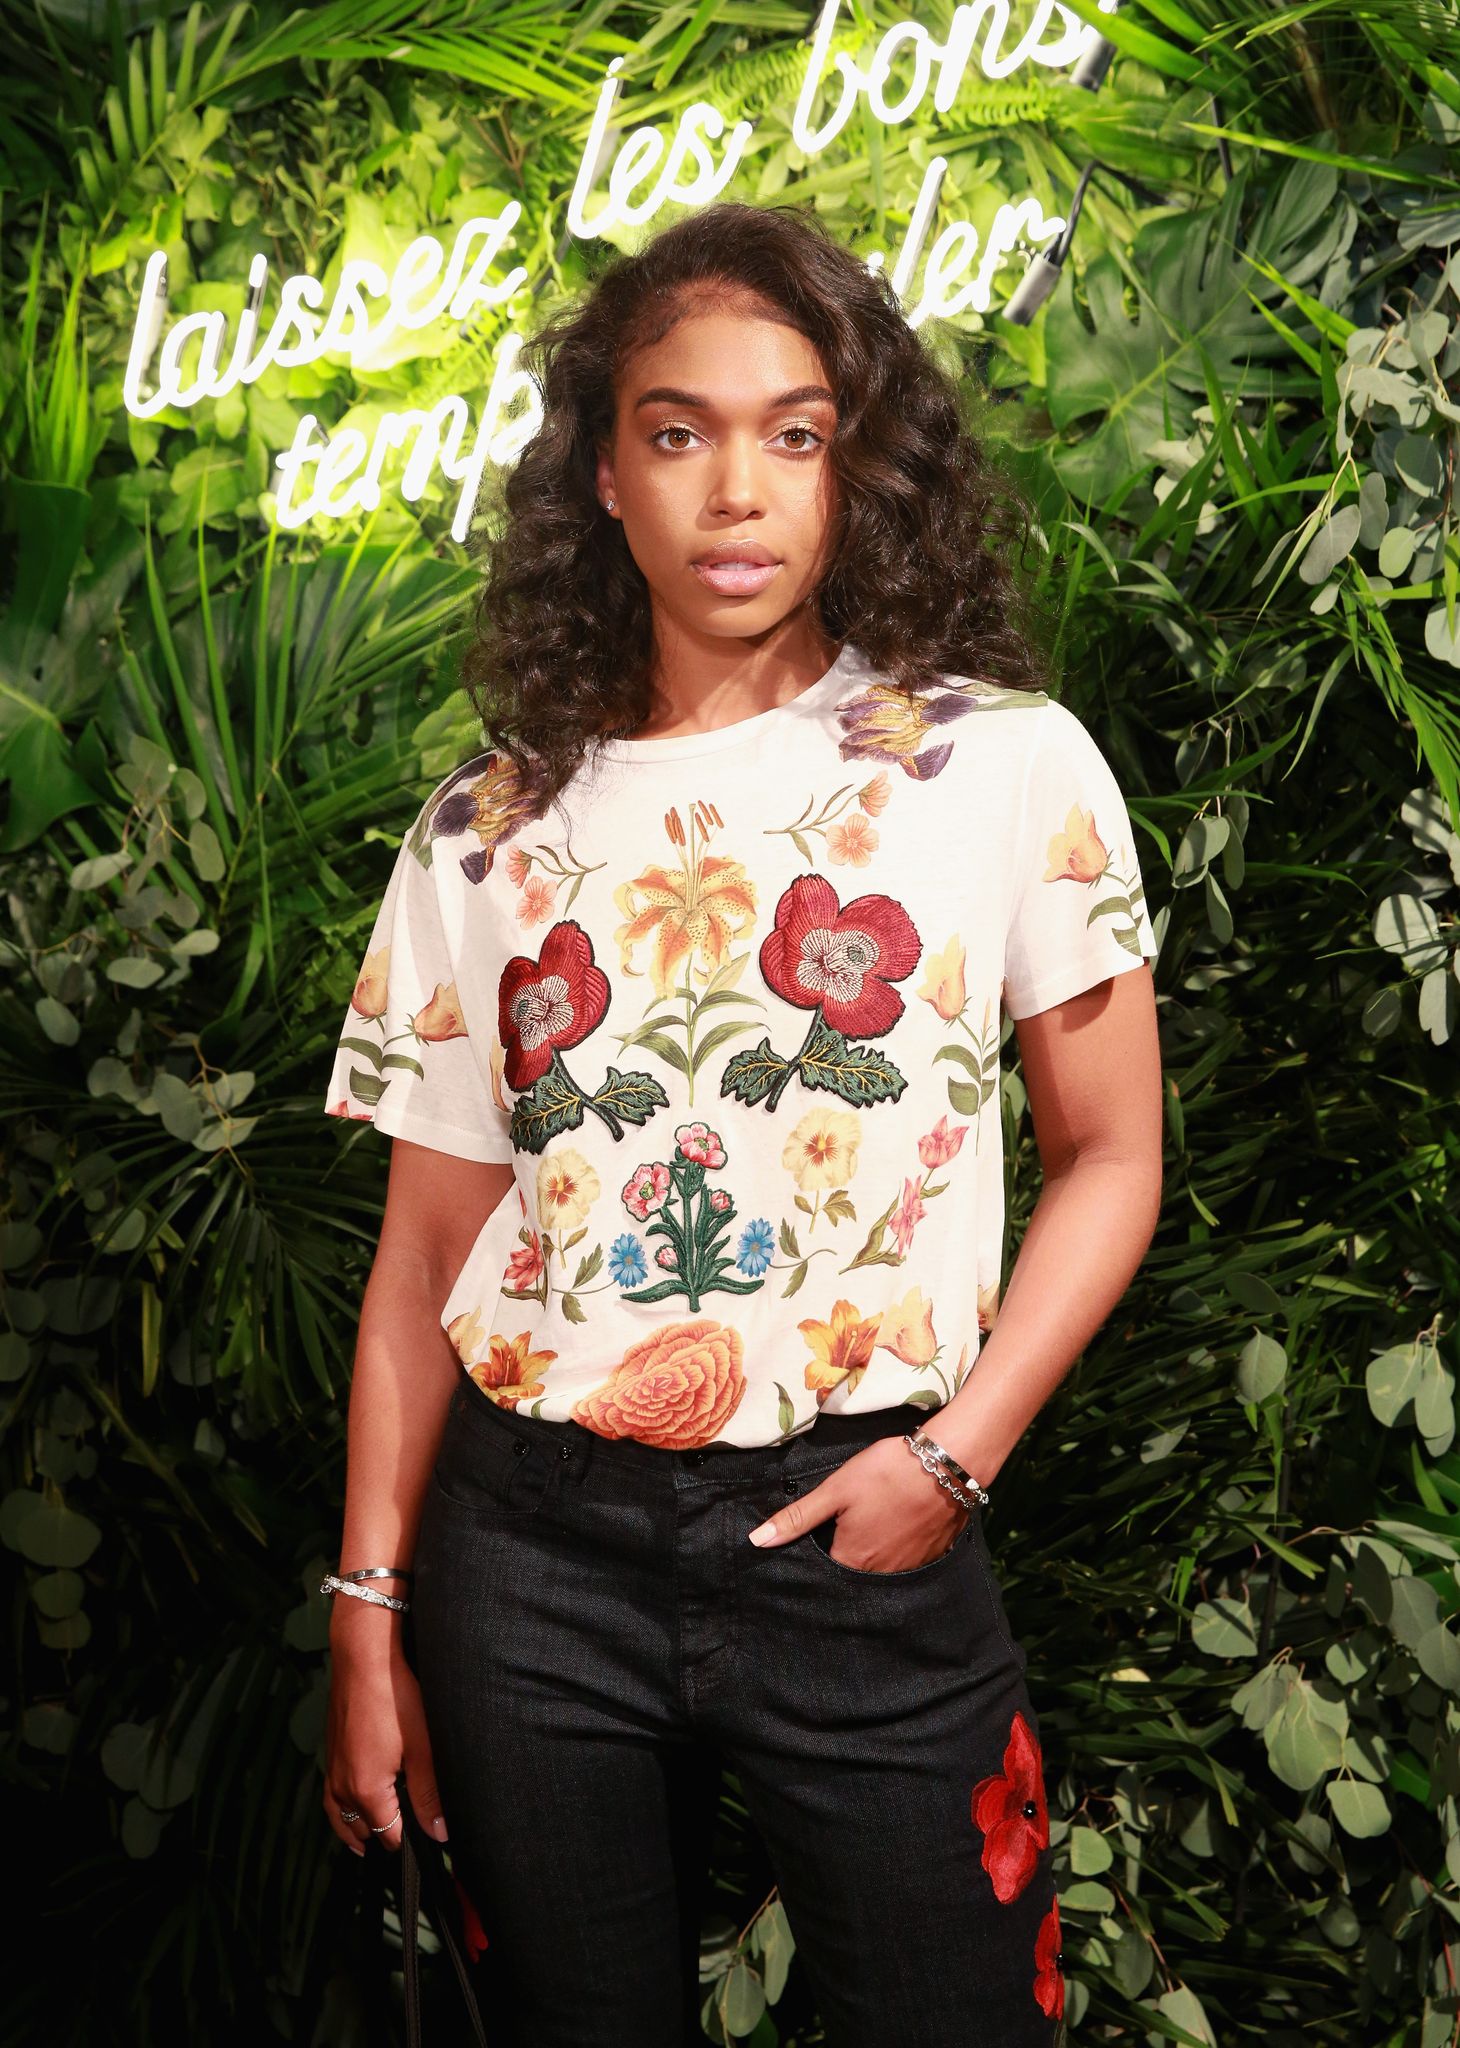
x: 347, y: 466
x: 348, y: 328
x: 635, y: 159
x: 950, y: 60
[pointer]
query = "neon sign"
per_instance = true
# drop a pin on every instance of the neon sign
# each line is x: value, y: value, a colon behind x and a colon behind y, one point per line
x: 643, y: 173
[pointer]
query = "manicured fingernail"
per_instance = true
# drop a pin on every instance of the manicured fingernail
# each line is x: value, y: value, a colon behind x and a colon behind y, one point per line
x: 764, y: 1533
x: 438, y: 1828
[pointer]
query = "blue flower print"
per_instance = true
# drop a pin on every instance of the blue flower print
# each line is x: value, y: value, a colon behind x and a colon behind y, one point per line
x: 757, y: 1241
x: 626, y: 1261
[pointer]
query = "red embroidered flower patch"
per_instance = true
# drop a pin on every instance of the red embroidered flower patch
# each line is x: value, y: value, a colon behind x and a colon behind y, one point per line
x: 473, y: 1934
x: 1049, y: 1985
x: 1010, y: 1809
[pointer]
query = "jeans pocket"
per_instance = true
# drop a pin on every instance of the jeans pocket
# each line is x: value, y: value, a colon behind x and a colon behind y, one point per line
x: 823, y: 1535
x: 486, y: 1470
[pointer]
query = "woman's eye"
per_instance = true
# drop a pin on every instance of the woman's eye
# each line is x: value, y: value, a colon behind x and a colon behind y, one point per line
x: 809, y: 437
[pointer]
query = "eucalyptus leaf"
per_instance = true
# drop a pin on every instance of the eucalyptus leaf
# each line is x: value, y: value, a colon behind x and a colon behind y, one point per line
x: 1334, y: 540
x: 1359, y: 1808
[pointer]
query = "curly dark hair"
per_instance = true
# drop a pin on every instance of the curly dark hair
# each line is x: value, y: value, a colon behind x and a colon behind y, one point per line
x: 920, y: 571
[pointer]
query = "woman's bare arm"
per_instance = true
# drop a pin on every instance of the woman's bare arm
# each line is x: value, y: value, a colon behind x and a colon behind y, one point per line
x: 405, y: 1374
x: 1092, y: 1070
x: 405, y: 1367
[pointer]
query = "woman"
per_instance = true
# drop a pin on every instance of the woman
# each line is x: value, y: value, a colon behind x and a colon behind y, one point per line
x: 694, y: 1084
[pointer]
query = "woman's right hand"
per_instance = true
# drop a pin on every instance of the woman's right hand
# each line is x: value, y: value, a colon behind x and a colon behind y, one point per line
x: 376, y: 1728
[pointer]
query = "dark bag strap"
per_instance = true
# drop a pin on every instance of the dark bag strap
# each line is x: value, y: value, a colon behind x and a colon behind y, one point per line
x: 424, y: 1880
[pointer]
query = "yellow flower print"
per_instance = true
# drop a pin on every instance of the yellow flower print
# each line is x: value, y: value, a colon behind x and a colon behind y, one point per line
x: 691, y: 913
x: 842, y: 1348
x: 1078, y: 854
x: 567, y: 1188
x: 873, y: 796
x: 441, y: 1018
x: 468, y: 1333
x: 369, y: 998
x: 511, y: 1371
x: 851, y: 843
x: 496, y: 1061
x: 906, y: 1329
x: 822, y: 1149
x: 943, y: 982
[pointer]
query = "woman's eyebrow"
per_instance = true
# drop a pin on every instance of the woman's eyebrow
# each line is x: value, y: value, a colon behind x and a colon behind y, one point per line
x: 669, y: 394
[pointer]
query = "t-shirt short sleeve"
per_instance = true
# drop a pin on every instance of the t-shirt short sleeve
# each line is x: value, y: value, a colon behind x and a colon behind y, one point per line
x: 1079, y: 909
x: 406, y: 1059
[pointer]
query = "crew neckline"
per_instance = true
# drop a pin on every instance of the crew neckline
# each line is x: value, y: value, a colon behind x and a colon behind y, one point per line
x: 677, y: 746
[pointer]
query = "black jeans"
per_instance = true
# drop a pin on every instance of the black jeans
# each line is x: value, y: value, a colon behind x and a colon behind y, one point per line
x: 591, y: 1628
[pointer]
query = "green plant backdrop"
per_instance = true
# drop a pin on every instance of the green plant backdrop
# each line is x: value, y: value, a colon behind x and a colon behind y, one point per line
x: 1230, y: 1544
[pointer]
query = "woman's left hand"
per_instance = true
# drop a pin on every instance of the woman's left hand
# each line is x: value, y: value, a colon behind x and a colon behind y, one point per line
x: 891, y: 1514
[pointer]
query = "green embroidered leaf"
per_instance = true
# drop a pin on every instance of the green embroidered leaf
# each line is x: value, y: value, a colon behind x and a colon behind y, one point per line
x: 632, y: 1097
x: 857, y: 1074
x: 750, y: 1076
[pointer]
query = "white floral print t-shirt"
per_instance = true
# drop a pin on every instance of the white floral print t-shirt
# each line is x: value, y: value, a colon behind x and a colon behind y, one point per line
x: 737, y: 1033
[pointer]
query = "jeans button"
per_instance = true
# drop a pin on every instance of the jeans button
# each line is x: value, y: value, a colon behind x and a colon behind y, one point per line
x: 520, y: 1448
x: 565, y: 1450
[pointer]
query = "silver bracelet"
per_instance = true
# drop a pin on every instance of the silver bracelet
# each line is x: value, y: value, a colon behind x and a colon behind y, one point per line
x: 380, y: 1571
x: 332, y: 1585
x: 944, y: 1468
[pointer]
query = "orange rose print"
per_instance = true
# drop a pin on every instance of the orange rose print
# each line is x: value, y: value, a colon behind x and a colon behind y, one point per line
x: 678, y: 1388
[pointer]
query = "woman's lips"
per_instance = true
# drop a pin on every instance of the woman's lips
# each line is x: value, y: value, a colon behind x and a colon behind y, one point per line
x: 735, y: 579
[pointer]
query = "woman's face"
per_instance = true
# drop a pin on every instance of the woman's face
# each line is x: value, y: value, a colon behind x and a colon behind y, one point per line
x: 720, y: 441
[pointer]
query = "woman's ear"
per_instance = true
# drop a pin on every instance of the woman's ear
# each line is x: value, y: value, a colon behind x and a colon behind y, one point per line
x: 603, y: 479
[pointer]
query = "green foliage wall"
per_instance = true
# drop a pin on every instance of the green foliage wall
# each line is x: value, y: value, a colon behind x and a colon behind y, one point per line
x: 1230, y: 1543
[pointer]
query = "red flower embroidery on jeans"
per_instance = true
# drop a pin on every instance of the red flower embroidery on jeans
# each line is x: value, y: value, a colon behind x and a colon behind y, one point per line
x: 473, y: 1934
x: 1049, y: 1985
x: 1010, y: 1809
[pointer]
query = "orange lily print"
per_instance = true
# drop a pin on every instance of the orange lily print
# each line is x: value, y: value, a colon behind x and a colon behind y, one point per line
x: 688, y: 915
x: 511, y: 1371
x: 842, y: 1348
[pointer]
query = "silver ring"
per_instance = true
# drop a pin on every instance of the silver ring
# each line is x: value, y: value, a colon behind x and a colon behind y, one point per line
x: 346, y: 1815
x: 388, y: 1825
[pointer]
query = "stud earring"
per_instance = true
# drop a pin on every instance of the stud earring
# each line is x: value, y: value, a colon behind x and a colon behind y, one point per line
x: 610, y: 503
